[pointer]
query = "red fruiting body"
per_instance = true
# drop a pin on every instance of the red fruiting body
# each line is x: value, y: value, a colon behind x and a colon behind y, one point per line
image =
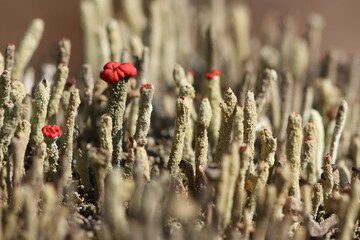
x: 216, y: 72
x: 71, y: 81
x: 243, y: 148
x: 211, y: 75
x: 182, y: 97
x: 51, y: 131
x: 191, y: 73
x: 128, y: 69
x: 112, y: 72
x: 147, y: 86
x: 308, y: 139
x: 11, y: 44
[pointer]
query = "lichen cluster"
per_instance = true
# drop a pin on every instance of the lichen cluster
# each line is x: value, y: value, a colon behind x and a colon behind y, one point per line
x: 259, y: 139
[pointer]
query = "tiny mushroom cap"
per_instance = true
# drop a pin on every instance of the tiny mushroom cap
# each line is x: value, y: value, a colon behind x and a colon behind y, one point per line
x: 51, y: 131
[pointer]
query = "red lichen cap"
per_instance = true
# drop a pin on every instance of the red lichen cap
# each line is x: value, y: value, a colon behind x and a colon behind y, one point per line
x: 112, y: 72
x: 51, y: 131
x: 128, y: 69
x: 212, y: 74
x: 191, y: 73
x: 147, y: 86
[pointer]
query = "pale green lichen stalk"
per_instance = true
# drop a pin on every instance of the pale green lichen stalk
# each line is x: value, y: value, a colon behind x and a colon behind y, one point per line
x: 201, y: 142
x: 309, y: 152
x: 5, y: 86
x: 339, y: 127
x: 99, y: 161
x: 9, y: 57
x: 117, y: 104
x: 268, y: 147
x: 263, y: 90
x: 105, y: 133
x: 52, y: 158
x: 145, y: 109
x: 238, y: 126
x: 114, y: 213
x: 66, y: 146
x: 41, y: 95
x: 18, y: 146
x: 64, y: 52
x: 188, y: 91
x: 250, y: 121
x: 57, y: 89
x: 27, y: 47
x: 114, y: 35
x: 212, y: 91
x: 293, y: 151
x: 240, y: 194
x: 228, y: 110
x: 177, y: 148
x: 328, y: 178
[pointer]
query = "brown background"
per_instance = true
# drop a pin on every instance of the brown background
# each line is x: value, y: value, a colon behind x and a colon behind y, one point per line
x: 62, y: 20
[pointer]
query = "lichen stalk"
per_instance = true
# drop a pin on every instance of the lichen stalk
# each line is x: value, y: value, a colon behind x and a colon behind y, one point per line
x: 177, y: 148
x: 2, y: 63
x: 52, y: 158
x: 268, y: 147
x: 286, y: 90
x: 64, y: 52
x: 18, y: 146
x: 117, y: 105
x: 82, y: 167
x: 5, y: 85
x: 66, y: 146
x: 250, y: 121
x: 320, y: 136
x: 56, y: 93
x: 318, y: 198
x: 351, y: 216
x: 114, y: 212
x: 7, y: 132
x: 264, y: 89
x: 328, y: 178
x: 27, y: 47
x: 201, y: 143
x: 221, y: 192
x: 99, y: 160
x: 240, y: 194
x: 41, y: 95
x: 212, y: 91
x: 228, y: 111
x: 36, y: 176
x: 238, y: 125
x: 293, y: 151
x: 105, y: 138
x: 283, y: 182
x: 188, y: 91
x: 309, y: 152
x: 339, y: 127
x: 9, y: 57
x: 145, y: 109
x: 113, y: 31
x: 262, y: 171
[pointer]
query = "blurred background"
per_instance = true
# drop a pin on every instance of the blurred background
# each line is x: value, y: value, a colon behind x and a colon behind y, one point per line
x: 62, y: 19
